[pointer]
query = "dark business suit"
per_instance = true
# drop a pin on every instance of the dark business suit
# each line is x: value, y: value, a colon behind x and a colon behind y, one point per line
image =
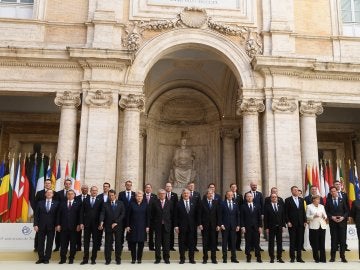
x: 196, y: 198
x: 174, y: 200
x: 337, y: 230
x: 126, y: 201
x: 251, y: 221
x: 101, y: 232
x: 90, y: 217
x: 46, y: 222
x: 239, y: 200
x: 110, y: 215
x: 210, y: 218
x: 162, y: 224
x: 274, y: 221
x: 267, y: 200
x: 355, y: 214
x: 230, y: 219
x: 297, y: 217
x: 68, y: 219
x: 80, y: 199
x: 149, y: 201
x: 258, y: 199
x: 61, y: 197
x: 187, y: 224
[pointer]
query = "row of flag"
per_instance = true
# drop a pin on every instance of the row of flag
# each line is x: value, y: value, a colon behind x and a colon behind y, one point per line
x: 20, y: 181
x: 323, y: 179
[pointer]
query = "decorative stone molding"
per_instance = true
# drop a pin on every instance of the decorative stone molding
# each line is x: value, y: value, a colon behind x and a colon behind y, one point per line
x: 230, y: 133
x: 250, y: 106
x: 311, y: 108
x: 132, y: 102
x: 193, y: 18
x: 99, y: 99
x: 283, y: 105
x: 67, y: 99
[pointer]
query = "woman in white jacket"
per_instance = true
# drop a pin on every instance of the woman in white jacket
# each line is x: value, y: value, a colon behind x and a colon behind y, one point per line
x: 316, y: 215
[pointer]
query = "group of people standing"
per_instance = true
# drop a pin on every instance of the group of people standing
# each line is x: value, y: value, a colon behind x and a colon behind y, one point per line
x: 144, y: 216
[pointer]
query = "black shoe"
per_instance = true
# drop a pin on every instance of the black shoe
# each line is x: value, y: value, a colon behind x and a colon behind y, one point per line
x: 172, y: 249
x: 344, y: 260
x: 217, y: 249
x: 347, y: 249
x: 71, y: 261
x: 84, y: 262
x: 259, y: 260
x: 78, y: 249
x: 248, y: 259
x: 39, y: 261
x: 132, y: 262
x: 107, y: 262
x: 224, y: 261
x: 292, y: 260
x: 151, y: 248
x: 139, y: 261
x: 234, y: 261
x: 239, y: 249
x: 45, y: 262
x: 332, y: 260
x: 204, y: 262
x: 214, y: 261
x: 93, y: 262
x: 271, y: 260
x: 157, y: 262
x: 35, y: 250
x: 280, y: 261
x: 283, y: 250
x: 261, y: 249
x: 118, y: 262
x: 192, y: 262
x: 300, y: 260
x: 181, y: 262
x: 303, y: 249
x: 196, y: 249
x: 56, y: 249
x: 62, y: 262
x: 167, y: 262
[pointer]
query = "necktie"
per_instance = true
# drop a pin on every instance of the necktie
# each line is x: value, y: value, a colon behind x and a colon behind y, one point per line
x: 148, y: 198
x: 83, y: 197
x: 92, y: 201
x: 128, y: 196
x: 187, y: 206
x: 209, y: 203
x: 340, y: 195
x: 113, y: 205
x: 335, y: 203
x: 191, y: 194
x: 162, y: 204
x: 48, y: 206
x: 275, y: 208
x: 297, y: 202
x: 251, y: 207
x: 169, y: 196
x: 69, y: 205
x: 254, y: 194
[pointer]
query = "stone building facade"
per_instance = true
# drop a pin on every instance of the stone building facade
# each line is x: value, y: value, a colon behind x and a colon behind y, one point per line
x: 259, y: 89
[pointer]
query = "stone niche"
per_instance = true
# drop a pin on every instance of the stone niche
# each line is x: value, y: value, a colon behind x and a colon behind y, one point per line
x: 176, y: 114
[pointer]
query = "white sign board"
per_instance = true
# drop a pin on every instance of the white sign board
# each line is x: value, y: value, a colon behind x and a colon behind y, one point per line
x: 214, y: 4
x: 17, y: 236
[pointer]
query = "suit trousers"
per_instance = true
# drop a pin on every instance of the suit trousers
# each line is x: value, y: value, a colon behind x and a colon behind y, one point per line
x: 358, y: 233
x: 136, y: 249
x: 317, y: 242
x: 43, y: 235
x: 229, y: 236
x: 209, y: 243
x: 296, y: 235
x: 151, y: 238
x: 337, y: 233
x: 68, y: 237
x: 275, y: 232
x: 187, y: 240
x: 91, y: 231
x: 162, y: 239
x: 110, y: 236
x: 252, y: 240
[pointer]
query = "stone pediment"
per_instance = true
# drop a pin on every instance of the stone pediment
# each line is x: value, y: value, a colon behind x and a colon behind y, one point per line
x: 191, y: 17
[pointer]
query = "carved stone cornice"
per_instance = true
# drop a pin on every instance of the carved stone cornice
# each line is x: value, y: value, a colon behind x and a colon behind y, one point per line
x: 283, y: 105
x: 132, y: 102
x: 229, y: 133
x: 99, y: 99
x: 311, y: 108
x: 67, y: 99
x: 250, y: 106
x: 193, y: 18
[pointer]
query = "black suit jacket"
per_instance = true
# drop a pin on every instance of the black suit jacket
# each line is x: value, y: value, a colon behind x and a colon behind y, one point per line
x: 210, y: 218
x: 159, y: 215
x: 46, y: 221
x: 196, y: 197
x: 230, y: 219
x: 61, y: 197
x: 185, y: 220
x: 40, y: 196
x: 293, y: 214
x: 90, y: 215
x: 308, y: 200
x: 340, y: 210
x: 355, y: 212
x: 344, y: 196
x: 79, y: 197
x: 110, y: 216
x: 258, y: 199
x: 274, y: 219
x: 126, y: 202
x: 268, y: 201
x: 238, y: 199
x: 153, y: 198
x: 69, y: 219
x: 173, y: 197
x: 250, y: 219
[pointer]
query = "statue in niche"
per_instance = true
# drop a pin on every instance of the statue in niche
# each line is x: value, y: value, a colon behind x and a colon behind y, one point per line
x: 183, y: 170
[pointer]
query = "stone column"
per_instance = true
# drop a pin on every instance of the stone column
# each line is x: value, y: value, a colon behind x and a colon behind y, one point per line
x: 229, y: 162
x: 132, y: 104
x: 68, y: 101
x: 251, y: 167
x: 309, y: 145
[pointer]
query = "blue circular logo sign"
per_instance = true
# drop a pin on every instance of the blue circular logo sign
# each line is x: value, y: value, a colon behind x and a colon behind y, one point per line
x: 26, y: 230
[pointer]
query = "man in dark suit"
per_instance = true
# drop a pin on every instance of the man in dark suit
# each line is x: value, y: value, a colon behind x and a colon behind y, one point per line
x: 313, y: 192
x: 89, y: 222
x: 239, y: 200
x: 186, y: 221
x: 104, y: 198
x: 274, y: 222
x: 230, y: 224
x: 80, y: 198
x: 257, y: 196
x: 210, y: 218
x: 196, y: 198
x: 274, y: 190
x: 161, y: 213
x: 295, y: 218
x: 45, y: 218
x: 149, y: 198
x: 68, y: 224
x: 173, y: 197
x: 126, y: 197
x: 355, y: 215
x: 337, y: 212
x: 61, y: 197
x: 251, y: 224
x: 111, y: 220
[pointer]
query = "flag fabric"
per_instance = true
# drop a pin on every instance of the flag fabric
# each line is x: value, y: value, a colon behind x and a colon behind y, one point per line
x: 337, y: 170
x: 4, y: 192
x: 33, y: 186
x: 77, y: 184
x: 15, y: 196
x: 2, y: 171
x: 6, y: 215
x: 352, y: 195
x: 48, y: 171
x: 53, y: 175
x: 41, y: 179
x: 73, y: 175
x: 58, y: 185
x: 307, y: 182
x: 323, y: 191
x: 315, y: 181
x: 26, y: 210
x: 330, y: 174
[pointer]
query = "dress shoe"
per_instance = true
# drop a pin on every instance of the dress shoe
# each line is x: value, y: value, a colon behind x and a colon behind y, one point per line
x: 167, y: 262
x: 192, y: 262
x: 259, y: 260
x: 347, y: 249
x: 93, y: 262
x: 214, y: 261
x: 280, y: 261
x: 139, y: 261
x: 71, y: 261
x: 204, y: 262
x: 35, y: 250
x: 172, y: 249
x: 224, y: 261
x: 56, y: 249
x: 84, y: 262
x: 217, y: 249
x: 39, y: 261
x: 332, y: 260
x: 344, y: 260
x: 45, y: 262
x: 152, y: 249
x: 118, y: 262
x: 62, y: 262
x: 157, y: 262
x: 234, y: 261
x: 239, y: 249
x: 78, y: 249
x: 132, y: 262
x: 196, y: 249
x: 300, y: 260
x: 181, y: 262
x: 271, y: 260
x: 292, y: 260
x: 261, y: 249
x: 107, y: 262
x: 303, y: 249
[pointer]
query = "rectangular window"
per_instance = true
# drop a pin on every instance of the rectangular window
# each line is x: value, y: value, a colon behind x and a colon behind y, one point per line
x: 20, y: 9
x: 350, y: 14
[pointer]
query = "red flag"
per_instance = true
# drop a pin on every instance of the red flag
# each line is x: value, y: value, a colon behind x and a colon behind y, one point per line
x: 67, y: 174
x: 315, y: 180
x: 15, y: 197
x: 21, y: 192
